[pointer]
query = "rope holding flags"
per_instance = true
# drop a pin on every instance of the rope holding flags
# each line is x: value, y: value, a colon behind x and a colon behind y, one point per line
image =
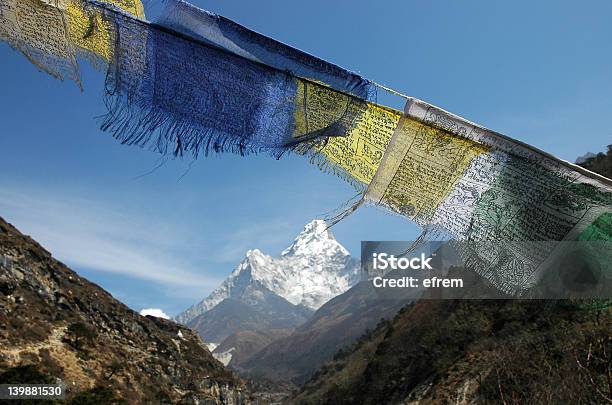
x: 194, y: 83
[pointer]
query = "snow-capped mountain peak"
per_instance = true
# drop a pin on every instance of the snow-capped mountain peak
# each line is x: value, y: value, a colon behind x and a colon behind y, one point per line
x: 311, y: 271
x: 315, y: 238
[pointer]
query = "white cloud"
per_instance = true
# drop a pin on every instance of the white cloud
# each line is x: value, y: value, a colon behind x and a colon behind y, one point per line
x: 154, y: 312
x: 85, y: 234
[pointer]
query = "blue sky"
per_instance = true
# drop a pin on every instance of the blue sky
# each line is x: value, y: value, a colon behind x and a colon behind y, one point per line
x: 164, y: 238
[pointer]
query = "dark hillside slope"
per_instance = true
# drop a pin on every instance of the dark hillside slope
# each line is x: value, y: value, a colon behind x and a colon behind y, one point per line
x: 442, y: 352
x: 600, y: 163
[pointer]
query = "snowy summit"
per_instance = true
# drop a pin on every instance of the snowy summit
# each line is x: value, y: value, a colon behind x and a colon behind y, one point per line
x: 311, y: 271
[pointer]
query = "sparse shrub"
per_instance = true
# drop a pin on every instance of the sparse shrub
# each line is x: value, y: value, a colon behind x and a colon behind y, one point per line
x: 97, y: 396
x: 114, y: 368
x: 25, y: 374
x: 80, y: 335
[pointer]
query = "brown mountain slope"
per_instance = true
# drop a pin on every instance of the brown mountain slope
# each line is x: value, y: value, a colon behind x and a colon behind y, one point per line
x: 68, y: 328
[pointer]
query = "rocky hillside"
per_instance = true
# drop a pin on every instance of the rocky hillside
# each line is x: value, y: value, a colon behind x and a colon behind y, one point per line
x: 57, y: 325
